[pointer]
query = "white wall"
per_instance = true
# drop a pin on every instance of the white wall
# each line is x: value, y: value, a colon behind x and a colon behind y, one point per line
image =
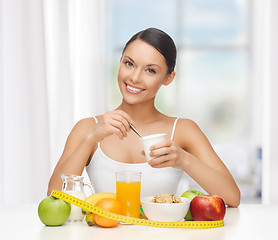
x: 267, y: 38
x: 271, y: 145
x: 1, y: 104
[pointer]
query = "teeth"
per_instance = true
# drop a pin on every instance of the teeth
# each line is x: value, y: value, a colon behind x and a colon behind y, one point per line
x: 134, y: 89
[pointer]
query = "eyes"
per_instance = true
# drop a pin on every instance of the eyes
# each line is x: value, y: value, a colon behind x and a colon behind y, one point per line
x: 151, y: 70
x: 130, y: 64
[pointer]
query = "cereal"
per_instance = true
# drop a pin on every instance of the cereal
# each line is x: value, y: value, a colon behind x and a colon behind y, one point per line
x: 166, y: 198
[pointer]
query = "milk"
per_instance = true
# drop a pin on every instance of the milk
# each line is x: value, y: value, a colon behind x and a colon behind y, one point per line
x: 76, y: 212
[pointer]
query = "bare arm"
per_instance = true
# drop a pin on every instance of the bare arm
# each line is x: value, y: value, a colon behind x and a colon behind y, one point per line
x: 76, y: 154
x: 207, y: 169
x: 82, y: 143
x: 194, y: 154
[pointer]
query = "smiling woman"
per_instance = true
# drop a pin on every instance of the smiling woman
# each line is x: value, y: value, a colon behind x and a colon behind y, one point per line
x: 218, y: 82
x: 136, y: 76
x: 152, y: 57
x: 105, y: 143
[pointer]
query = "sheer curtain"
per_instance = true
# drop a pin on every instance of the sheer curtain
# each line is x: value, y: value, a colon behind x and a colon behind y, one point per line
x: 51, y: 75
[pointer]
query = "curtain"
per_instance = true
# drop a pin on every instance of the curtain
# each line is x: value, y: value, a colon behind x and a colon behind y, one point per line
x: 51, y: 75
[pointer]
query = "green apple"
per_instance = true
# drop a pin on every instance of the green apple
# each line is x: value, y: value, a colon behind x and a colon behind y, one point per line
x: 190, y: 194
x: 53, y: 211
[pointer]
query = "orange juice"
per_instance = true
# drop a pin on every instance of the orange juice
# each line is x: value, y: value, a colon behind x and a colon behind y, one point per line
x: 128, y: 194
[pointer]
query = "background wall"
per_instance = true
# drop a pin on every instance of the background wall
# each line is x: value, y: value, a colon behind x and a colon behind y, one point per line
x: 24, y: 162
x: 270, y: 108
x: 51, y: 76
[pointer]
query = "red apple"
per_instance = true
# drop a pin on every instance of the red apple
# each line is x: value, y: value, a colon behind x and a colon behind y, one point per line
x: 190, y: 194
x: 207, y: 208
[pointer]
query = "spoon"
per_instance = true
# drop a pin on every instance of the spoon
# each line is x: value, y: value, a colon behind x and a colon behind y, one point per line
x: 135, y: 130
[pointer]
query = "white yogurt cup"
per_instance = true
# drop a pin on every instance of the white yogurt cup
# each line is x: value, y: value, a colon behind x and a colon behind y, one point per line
x: 149, y: 141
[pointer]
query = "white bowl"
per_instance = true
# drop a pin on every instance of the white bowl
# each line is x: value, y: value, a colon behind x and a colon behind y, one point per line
x: 165, y: 212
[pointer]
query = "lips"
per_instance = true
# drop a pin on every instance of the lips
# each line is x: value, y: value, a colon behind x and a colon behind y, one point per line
x: 133, y: 89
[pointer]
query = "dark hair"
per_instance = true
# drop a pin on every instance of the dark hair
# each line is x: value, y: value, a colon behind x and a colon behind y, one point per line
x: 161, y: 41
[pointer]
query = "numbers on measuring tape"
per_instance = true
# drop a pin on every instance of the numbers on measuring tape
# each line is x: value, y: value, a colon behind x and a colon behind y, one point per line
x: 137, y: 221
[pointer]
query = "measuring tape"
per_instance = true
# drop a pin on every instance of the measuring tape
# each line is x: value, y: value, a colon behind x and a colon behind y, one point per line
x: 137, y: 221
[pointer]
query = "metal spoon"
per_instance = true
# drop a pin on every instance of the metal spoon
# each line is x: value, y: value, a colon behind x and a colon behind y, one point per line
x: 135, y: 130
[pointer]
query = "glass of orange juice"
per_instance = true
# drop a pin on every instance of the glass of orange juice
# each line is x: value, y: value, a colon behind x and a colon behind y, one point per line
x: 128, y: 187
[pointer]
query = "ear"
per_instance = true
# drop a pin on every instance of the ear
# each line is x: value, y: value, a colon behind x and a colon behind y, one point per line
x: 170, y: 77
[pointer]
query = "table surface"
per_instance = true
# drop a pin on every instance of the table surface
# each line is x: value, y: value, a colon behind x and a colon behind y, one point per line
x: 245, y: 222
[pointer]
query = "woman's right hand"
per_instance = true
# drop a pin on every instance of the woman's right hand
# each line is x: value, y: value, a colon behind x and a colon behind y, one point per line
x: 112, y: 122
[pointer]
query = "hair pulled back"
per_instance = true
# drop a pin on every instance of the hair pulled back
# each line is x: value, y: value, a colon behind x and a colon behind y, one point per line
x: 161, y: 41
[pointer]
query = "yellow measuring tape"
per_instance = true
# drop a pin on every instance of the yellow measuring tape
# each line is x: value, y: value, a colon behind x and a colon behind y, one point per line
x: 137, y: 221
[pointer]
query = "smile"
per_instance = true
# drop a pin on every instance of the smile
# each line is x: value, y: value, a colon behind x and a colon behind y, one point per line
x: 133, y: 89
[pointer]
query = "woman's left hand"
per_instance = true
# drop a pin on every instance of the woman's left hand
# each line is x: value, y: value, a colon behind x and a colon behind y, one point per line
x: 167, y: 154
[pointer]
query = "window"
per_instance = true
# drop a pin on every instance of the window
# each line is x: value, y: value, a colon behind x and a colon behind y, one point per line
x: 213, y: 83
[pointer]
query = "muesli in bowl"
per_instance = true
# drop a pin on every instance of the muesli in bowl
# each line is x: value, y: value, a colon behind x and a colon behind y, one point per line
x: 165, y: 207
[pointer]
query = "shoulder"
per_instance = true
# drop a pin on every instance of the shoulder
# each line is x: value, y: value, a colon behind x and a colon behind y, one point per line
x: 186, y: 124
x: 188, y: 132
x: 85, y: 123
x: 82, y: 127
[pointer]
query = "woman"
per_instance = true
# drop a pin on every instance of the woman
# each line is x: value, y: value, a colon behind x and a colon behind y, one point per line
x: 105, y: 144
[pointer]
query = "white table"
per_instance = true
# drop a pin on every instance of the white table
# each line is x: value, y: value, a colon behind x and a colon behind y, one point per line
x: 249, y: 221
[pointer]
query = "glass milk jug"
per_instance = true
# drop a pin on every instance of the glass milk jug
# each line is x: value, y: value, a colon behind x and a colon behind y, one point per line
x: 74, y: 186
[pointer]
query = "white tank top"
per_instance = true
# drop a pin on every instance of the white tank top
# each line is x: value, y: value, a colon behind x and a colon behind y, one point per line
x: 102, y: 174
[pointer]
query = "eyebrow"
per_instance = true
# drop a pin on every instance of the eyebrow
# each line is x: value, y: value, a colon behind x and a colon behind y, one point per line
x: 148, y: 65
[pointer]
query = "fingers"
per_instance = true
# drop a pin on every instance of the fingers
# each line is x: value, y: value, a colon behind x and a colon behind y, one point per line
x: 161, y: 148
x: 164, y: 156
x: 160, y: 162
x: 124, y: 115
x: 123, y: 121
x: 119, y: 121
x: 162, y: 165
x: 119, y: 128
x: 161, y: 144
x: 160, y: 151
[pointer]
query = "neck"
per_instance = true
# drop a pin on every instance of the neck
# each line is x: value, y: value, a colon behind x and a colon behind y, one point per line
x: 141, y: 113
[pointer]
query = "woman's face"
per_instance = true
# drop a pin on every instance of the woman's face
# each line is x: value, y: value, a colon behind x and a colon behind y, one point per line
x: 142, y: 71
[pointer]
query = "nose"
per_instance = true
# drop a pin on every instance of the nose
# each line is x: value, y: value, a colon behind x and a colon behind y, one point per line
x: 135, y: 76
